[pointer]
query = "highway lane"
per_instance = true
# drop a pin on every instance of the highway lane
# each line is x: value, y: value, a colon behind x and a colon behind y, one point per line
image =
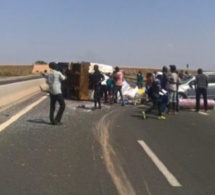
x: 184, y: 143
x: 97, y: 152
x: 38, y: 158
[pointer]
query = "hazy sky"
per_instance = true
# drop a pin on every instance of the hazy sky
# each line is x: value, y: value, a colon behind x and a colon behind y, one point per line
x: 145, y: 33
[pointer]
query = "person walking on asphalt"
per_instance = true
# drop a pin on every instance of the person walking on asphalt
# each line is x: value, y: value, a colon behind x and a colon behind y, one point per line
x: 97, y: 77
x: 118, y: 77
x: 155, y: 92
x: 201, y: 89
x: 53, y: 79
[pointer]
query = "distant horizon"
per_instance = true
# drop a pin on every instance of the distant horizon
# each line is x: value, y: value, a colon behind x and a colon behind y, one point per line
x: 130, y: 66
x: 122, y: 66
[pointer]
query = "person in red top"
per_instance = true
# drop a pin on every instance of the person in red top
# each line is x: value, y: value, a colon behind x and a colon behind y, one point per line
x: 118, y: 85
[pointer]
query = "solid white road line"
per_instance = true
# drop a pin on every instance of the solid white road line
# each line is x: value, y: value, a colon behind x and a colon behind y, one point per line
x: 169, y: 176
x: 19, y: 114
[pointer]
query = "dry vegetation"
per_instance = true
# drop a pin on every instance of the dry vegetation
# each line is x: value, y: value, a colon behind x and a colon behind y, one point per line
x: 23, y: 70
x: 132, y: 72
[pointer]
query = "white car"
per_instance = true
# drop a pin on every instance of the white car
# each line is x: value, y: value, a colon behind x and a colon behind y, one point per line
x: 186, y: 87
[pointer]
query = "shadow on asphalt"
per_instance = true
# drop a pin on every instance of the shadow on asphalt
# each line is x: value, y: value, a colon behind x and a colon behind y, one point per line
x: 149, y: 116
x: 137, y: 116
x: 39, y: 121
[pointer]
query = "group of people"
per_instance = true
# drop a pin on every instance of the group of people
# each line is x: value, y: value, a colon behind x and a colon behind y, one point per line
x: 109, y: 86
x: 163, y: 91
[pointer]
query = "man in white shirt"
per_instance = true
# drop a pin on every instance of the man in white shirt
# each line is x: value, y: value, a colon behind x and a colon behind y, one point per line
x: 172, y: 89
x: 104, y: 88
x: 53, y: 79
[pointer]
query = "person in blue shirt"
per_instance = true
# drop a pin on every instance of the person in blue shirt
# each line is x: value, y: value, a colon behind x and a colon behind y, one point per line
x: 110, y: 88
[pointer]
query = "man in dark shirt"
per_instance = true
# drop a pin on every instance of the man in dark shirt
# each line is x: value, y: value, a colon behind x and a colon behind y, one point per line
x: 164, y: 83
x: 97, y: 79
x: 201, y: 89
x: 155, y: 92
x: 164, y: 78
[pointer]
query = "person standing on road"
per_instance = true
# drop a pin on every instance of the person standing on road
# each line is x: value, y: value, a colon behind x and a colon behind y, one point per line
x: 53, y: 79
x: 104, y: 89
x: 118, y: 85
x: 97, y: 77
x: 164, y: 78
x: 201, y: 89
x: 164, y: 84
x: 172, y: 90
x: 110, y: 87
x: 140, y: 79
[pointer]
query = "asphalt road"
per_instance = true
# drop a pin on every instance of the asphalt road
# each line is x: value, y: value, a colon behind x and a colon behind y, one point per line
x: 108, y: 151
x: 9, y: 80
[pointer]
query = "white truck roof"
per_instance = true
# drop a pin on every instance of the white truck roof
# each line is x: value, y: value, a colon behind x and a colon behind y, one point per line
x: 104, y: 68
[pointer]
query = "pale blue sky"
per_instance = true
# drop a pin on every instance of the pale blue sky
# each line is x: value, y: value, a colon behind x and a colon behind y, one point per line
x: 145, y: 33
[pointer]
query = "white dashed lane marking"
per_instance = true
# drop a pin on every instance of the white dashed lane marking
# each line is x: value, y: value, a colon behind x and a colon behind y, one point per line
x: 169, y: 176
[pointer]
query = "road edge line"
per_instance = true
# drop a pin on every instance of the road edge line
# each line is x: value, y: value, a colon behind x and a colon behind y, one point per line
x: 21, y: 113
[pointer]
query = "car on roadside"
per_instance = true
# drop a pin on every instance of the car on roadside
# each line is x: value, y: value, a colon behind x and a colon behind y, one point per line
x: 186, y: 88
